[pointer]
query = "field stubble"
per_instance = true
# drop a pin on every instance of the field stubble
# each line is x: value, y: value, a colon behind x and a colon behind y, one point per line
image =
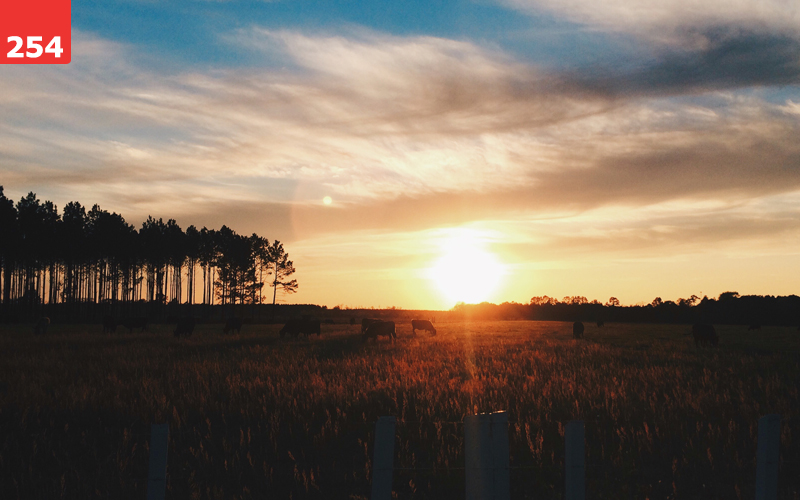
x: 252, y: 416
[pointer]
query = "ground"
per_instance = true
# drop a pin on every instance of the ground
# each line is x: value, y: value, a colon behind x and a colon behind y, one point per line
x: 252, y: 416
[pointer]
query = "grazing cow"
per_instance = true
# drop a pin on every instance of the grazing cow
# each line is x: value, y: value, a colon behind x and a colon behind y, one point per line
x: 295, y: 327
x: 380, y: 328
x: 232, y: 324
x: 109, y: 324
x: 366, y: 322
x: 577, y: 330
x: 422, y: 324
x: 601, y: 323
x: 704, y: 334
x: 184, y: 328
x: 132, y: 323
x: 41, y: 326
x: 754, y: 327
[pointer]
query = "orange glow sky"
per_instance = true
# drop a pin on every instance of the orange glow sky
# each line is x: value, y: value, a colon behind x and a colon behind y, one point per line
x: 629, y: 148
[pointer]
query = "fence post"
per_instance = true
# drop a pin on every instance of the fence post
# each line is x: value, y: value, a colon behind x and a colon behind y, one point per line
x: 476, y: 433
x: 486, y: 456
x: 575, y: 463
x: 500, y: 473
x: 383, y: 459
x: 157, y: 476
x: 767, y: 457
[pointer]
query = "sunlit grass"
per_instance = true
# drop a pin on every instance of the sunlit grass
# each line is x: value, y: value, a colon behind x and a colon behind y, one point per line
x: 254, y: 417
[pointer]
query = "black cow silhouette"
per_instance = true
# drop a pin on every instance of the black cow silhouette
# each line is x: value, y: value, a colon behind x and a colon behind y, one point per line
x: 132, y: 323
x: 40, y: 328
x: 366, y: 322
x: 382, y: 328
x: 232, y: 324
x: 577, y: 330
x: 704, y: 334
x: 422, y: 324
x: 109, y: 324
x: 184, y: 328
x: 295, y: 327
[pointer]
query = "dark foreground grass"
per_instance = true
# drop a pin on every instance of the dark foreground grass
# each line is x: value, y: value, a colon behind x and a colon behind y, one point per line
x: 255, y: 417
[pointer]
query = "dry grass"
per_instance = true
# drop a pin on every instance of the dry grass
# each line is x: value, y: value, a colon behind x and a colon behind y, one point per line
x: 254, y: 417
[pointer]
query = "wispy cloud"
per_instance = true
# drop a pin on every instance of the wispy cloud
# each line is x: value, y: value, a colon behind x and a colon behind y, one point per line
x: 418, y: 114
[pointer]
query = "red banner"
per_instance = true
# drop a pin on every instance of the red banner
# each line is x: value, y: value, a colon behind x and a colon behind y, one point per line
x: 35, y: 31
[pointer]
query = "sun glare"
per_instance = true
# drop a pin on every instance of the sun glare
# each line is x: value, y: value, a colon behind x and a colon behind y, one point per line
x: 466, y: 272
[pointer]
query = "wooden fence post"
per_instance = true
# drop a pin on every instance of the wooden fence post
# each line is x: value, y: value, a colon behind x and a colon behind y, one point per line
x: 383, y: 458
x: 157, y: 476
x: 575, y: 463
x: 486, y: 456
x: 767, y: 457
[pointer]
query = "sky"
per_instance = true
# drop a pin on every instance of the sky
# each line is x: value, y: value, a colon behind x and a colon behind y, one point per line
x: 470, y: 150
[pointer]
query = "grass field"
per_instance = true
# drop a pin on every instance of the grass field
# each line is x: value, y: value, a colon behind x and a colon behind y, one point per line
x: 252, y: 416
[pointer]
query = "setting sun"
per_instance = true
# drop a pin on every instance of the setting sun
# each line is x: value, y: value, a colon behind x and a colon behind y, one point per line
x: 466, y: 272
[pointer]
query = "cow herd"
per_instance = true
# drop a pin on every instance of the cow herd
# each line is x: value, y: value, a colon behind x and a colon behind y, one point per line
x: 704, y: 334
x: 184, y: 327
x: 373, y: 328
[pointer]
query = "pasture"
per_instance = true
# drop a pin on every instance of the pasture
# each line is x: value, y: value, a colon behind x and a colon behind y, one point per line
x: 254, y: 416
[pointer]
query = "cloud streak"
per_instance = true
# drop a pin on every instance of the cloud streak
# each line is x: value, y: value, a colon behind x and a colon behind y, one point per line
x: 726, y: 60
x: 667, y: 22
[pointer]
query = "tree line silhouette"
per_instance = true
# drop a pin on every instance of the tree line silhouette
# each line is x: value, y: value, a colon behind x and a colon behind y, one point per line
x: 728, y: 308
x: 79, y: 258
